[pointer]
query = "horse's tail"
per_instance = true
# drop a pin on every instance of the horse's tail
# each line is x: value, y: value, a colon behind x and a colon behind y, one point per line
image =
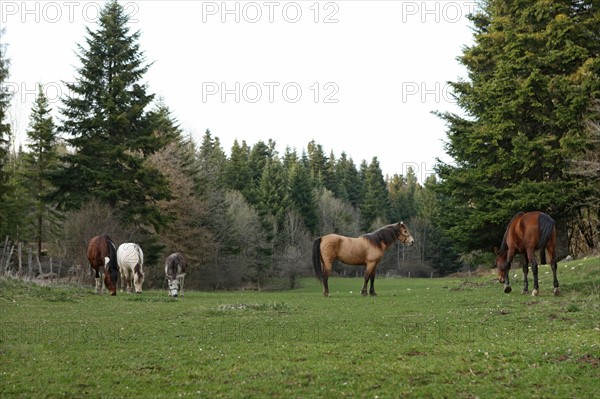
x: 316, y: 257
x: 546, y: 224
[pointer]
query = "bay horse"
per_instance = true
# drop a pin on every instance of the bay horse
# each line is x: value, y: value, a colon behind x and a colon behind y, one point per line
x: 102, y: 255
x: 525, y: 234
x: 367, y: 250
x: 131, y: 261
x: 175, y: 269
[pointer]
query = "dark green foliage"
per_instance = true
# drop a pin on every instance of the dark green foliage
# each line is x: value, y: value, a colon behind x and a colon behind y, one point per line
x: 237, y: 173
x: 402, y: 191
x: 41, y: 161
x: 109, y: 128
x: 260, y: 155
x: 533, y: 71
x: 317, y: 162
x: 4, y: 137
x: 375, y: 202
x: 349, y: 183
x: 302, y: 196
x: 273, y: 198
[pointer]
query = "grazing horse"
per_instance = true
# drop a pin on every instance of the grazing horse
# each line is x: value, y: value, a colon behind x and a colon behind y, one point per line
x: 367, y: 250
x: 175, y: 269
x: 102, y: 253
x: 131, y: 261
x: 525, y: 234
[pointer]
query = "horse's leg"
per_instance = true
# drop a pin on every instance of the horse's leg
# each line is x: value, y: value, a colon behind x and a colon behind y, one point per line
x: 509, y: 257
x: 369, y: 276
x: 98, y: 281
x: 130, y: 281
x: 372, y: 289
x: 534, y: 269
x: 123, y: 283
x: 326, y: 271
x: 525, y: 271
x: 554, y: 269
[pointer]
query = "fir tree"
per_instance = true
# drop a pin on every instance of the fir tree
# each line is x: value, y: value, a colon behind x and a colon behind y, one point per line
x: 349, y: 184
x: 375, y: 201
x: 318, y: 163
x: 4, y: 137
x: 302, y: 196
x: 237, y: 173
x: 108, y: 127
x: 533, y: 71
x: 41, y: 161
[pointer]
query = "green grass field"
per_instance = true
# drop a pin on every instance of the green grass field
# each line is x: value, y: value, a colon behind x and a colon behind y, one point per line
x: 451, y: 337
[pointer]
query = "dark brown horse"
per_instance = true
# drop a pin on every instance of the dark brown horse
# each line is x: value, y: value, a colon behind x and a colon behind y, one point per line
x: 102, y: 255
x: 367, y: 250
x: 525, y: 234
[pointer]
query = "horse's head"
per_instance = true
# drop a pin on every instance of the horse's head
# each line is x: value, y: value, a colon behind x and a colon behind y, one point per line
x: 501, y: 264
x: 138, y: 281
x: 404, y: 236
x: 111, y: 274
x: 174, y: 287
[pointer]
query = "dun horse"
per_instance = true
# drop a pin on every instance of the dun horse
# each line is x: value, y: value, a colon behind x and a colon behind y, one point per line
x: 175, y: 268
x: 367, y: 250
x: 525, y: 234
x: 102, y: 253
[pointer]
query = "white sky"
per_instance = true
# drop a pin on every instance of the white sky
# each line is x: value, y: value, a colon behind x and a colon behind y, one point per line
x: 356, y: 76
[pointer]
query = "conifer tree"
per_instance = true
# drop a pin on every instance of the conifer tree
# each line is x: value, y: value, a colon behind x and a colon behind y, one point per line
x: 532, y: 73
x: 375, y: 202
x: 302, y: 195
x: 318, y: 163
x: 108, y: 127
x: 261, y: 155
x: 4, y: 136
x: 237, y: 173
x: 41, y: 161
x: 349, y: 184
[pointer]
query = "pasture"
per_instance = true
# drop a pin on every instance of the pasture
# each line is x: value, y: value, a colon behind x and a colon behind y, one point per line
x: 453, y: 337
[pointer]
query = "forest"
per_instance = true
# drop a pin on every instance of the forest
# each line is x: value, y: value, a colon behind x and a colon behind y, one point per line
x: 246, y: 216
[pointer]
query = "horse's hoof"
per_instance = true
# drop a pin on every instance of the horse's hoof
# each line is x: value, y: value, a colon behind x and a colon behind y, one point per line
x: 525, y: 292
x: 373, y: 294
x: 557, y: 291
x: 326, y: 294
x: 507, y: 289
x: 534, y: 293
x: 363, y: 293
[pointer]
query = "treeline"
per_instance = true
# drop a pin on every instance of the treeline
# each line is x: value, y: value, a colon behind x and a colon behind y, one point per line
x: 118, y: 162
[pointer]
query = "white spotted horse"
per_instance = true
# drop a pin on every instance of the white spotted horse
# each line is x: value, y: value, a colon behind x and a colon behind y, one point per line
x: 131, y: 261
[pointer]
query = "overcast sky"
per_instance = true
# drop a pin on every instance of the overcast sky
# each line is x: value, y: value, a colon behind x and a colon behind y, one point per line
x: 360, y: 77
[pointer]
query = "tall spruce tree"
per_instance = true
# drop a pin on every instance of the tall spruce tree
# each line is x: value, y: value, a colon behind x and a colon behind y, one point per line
x: 109, y: 128
x: 318, y: 163
x: 4, y: 135
x: 375, y: 202
x: 349, y: 184
x: 302, y: 195
x: 41, y: 161
x: 532, y: 73
x: 237, y: 173
x: 261, y: 155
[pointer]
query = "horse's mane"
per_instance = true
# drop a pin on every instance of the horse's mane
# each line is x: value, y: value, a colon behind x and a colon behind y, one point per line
x: 504, y: 245
x: 112, y: 250
x: 386, y: 235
